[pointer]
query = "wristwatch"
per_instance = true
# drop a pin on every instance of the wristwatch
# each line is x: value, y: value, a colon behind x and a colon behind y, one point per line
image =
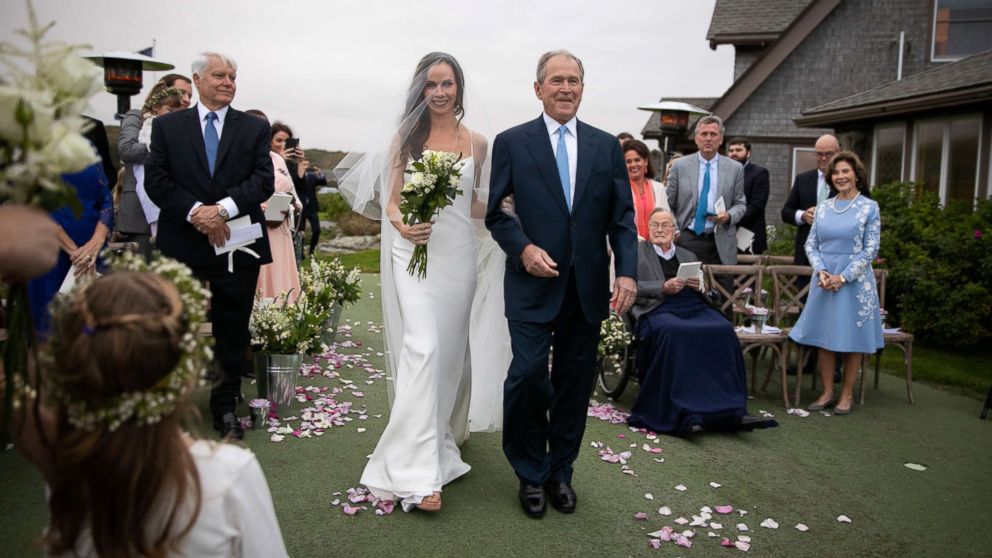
x: 222, y: 211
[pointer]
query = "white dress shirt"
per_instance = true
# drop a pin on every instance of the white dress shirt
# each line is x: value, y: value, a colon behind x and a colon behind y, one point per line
x: 714, y: 187
x: 571, y: 145
x: 821, y: 187
x: 228, y: 203
x: 667, y: 254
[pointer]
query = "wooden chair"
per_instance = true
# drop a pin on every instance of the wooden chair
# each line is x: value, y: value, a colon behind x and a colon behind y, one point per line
x: 778, y: 260
x: 788, y: 301
x: 744, y: 277
x: 750, y: 259
x: 899, y: 339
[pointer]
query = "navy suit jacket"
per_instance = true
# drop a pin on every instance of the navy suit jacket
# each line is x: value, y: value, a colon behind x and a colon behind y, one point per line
x: 523, y: 165
x: 756, y: 190
x: 802, y: 197
x: 177, y: 176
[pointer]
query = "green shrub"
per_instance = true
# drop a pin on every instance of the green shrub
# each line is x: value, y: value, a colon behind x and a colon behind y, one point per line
x: 781, y: 240
x: 939, y: 260
x: 332, y: 205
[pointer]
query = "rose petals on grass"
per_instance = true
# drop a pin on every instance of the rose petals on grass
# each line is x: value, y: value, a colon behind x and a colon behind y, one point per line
x: 681, y: 487
x: 742, y: 527
x: 724, y: 509
x: 715, y: 484
x: 803, y: 413
x: 843, y: 519
x: 649, y: 496
x: 802, y: 527
x: 769, y: 524
x: 665, y: 510
x: 681, y: 521
x: 742, y: 546
x: 915, y: 466
x: 640, y: 515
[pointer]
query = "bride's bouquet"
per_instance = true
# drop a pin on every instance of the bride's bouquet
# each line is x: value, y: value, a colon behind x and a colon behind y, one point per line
x: 433, y: 186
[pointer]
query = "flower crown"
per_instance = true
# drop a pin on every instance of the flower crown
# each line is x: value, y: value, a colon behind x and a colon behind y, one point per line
x: 150, y: 405
x: 157, y: 98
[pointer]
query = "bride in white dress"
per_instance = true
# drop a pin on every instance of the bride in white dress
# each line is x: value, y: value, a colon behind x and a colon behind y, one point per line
x: 440, y: 328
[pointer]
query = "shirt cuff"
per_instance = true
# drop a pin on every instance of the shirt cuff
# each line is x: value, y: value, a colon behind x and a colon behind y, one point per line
x: 230, y: 206
x: 799, y: 217
x: 189, y: 216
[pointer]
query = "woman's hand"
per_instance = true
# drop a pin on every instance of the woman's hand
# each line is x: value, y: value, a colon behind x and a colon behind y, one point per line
x: 418, y: 234
x: 673, y: 285
x: 830, y: 282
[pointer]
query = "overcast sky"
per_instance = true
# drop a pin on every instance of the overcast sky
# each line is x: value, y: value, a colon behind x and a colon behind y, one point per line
x: 326, y: 67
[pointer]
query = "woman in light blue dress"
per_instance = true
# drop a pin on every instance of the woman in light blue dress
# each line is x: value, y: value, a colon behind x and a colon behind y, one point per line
x: 842, y: 311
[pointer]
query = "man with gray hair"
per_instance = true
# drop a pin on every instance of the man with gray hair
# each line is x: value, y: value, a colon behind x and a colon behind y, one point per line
x: 209, y: 164
x: 706, y: 194
x: 571, y: 190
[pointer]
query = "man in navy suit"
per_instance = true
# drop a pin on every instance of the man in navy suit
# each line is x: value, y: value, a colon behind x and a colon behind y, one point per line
x: 209, y: 164
x: 756, y: 189
x: 809, y: 188
x: 571, y: 192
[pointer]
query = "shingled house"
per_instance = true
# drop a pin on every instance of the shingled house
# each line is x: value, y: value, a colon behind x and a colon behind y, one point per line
x: 894, y: 79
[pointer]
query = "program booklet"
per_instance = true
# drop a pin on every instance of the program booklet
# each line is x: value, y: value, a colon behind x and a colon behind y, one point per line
x: 278, y: 203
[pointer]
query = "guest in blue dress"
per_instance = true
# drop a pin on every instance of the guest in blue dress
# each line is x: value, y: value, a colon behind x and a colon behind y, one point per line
x: 688, y: 357
x: 842, y: 311
x: 81, y: 240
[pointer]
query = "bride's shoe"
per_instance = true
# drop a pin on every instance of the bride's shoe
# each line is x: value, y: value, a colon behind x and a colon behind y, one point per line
x: 431, y: 503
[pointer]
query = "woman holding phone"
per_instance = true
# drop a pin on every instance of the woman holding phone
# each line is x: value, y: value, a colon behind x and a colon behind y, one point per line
x: 281, y: 276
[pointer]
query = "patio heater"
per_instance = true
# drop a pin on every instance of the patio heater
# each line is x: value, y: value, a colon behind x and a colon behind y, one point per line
x: 122, y: 74
x: 674, y: 121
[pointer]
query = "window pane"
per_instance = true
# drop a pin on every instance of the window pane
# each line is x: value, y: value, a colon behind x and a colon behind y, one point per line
x: 962, y: 27
x: 803, y: 160
x: 963, y: 168
x: 929, y: 140
x: 888, y: 154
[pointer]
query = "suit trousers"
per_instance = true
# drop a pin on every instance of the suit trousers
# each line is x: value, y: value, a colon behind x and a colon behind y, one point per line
x: 703, y: 246
x: 231, y: 299
x: 544, y: 415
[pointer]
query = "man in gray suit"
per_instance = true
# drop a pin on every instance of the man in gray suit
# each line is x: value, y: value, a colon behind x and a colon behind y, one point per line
x: 704, y: 231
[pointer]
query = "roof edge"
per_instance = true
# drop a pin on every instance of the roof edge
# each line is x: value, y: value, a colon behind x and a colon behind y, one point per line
x: 944, y: 99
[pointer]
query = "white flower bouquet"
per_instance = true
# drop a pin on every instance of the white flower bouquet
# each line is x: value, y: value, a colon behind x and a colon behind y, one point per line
x: 613, y: 336
x: 433, y: 186
x: 329, y: 282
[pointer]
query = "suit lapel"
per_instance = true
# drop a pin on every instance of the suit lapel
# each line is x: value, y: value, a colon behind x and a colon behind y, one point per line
x: 192, y: 118
x: 539, y: 146
x: 693, y: 186
x: 232, y: 123
x: 583, y: 166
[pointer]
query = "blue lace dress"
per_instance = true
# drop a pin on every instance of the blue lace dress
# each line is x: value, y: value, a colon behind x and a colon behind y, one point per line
x: 844, y: 240
x: 97, y: 207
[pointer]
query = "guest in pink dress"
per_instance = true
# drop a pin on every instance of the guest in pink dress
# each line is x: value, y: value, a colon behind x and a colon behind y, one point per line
x: 282, y: 275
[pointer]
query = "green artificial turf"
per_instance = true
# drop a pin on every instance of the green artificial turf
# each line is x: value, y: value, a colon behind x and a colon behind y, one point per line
x: 809, y: 470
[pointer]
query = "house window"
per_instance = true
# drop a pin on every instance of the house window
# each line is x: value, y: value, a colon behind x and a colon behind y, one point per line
x: 803, y: 159
x: 945, y: 156
x: 961, y: 28
x: 887, y: 158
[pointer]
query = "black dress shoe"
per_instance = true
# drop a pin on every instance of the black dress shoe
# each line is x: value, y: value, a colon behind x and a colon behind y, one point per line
x: 532, y: 500
x: 562, y: 496
x: 228, y: 425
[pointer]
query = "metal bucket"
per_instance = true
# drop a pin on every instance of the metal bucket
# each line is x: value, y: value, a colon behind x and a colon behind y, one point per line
x: 330, y: 330
x: 276, y: 377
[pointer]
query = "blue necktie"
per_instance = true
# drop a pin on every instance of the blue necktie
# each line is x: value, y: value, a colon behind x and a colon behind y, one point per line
x: 562, y: 158
x: 702, y: 204
x: 210, y: 140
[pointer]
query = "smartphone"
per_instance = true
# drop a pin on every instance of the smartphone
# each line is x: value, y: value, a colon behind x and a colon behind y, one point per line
x: 292, y: 143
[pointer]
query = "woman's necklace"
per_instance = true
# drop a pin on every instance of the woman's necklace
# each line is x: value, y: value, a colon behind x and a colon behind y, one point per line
x: 839, y: 211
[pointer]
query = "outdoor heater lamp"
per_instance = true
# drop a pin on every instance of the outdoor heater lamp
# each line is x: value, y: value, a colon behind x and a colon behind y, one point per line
x: 122, y: 74
x: 674, y: 118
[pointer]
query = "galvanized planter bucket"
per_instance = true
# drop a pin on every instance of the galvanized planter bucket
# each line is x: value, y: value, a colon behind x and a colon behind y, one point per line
x: 330, y: 332
x: 276, y: 377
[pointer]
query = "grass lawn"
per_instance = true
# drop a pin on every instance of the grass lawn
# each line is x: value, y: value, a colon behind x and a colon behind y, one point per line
x: 809, y: 470
x: 367, y: 261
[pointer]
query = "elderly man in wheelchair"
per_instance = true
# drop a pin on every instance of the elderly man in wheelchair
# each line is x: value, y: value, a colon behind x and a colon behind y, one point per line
x: 688, y: 359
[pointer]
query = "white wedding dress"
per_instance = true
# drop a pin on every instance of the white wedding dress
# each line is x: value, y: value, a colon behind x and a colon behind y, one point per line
x: 418, y: 451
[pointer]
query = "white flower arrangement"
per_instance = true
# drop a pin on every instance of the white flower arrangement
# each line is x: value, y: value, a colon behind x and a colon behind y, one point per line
x: 283, y: 328
x: 433, y: 186
x: 613, y: 336
x: 329, y: 282
x: 149, y: 406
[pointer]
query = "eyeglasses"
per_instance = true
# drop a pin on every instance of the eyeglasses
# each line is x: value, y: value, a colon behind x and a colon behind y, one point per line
x: 660, y: 226
x: 826, y: 155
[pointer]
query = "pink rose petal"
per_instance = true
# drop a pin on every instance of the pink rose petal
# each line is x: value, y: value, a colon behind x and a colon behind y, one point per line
x: 802, y: 527
x: 723, y: 509
x: 726, y: 542
x: 742, y: 546
x: 350, y: 510
x: 654, y: 543
x: 640, y: 515
x: 681, y: 540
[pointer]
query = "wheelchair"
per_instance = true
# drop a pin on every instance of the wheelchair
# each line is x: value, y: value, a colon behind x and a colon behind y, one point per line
x: 614, y: 372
